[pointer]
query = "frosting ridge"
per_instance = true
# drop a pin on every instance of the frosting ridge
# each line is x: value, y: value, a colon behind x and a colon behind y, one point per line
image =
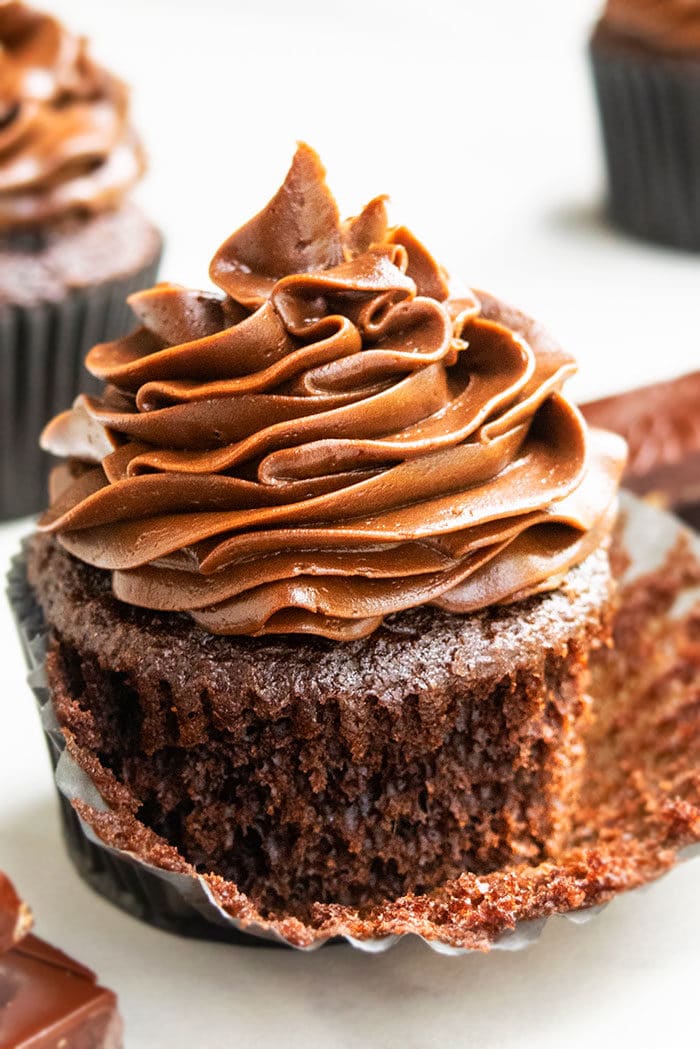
x: 66, y: 145
x: 337, y: 437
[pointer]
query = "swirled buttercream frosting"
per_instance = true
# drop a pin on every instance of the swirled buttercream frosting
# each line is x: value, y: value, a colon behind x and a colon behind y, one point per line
x: 337, y: 435
x: 672, y: 26
x: 66, y: 145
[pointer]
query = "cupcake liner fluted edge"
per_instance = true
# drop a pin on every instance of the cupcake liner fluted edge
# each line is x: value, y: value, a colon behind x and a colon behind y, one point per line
x: 168, y: 900
x: 650, y: 120
x: 42, y: 348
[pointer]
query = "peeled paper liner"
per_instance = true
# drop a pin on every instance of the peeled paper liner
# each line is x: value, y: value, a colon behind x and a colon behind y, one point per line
x: 639, y: 814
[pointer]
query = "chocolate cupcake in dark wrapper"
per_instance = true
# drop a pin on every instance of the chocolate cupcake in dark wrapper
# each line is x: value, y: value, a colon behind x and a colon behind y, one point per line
x: 321, y: 604
x: 645, y: 57
x: 321, y: 576
x: 72, y: 247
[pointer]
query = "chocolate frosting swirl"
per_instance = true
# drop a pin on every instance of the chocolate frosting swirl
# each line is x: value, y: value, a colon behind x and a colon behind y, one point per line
x: 340, y: 436
x: 66, y: 145
x: 672, y: 26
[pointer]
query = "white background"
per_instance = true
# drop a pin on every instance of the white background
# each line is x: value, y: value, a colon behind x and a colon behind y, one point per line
x: 477, y: 117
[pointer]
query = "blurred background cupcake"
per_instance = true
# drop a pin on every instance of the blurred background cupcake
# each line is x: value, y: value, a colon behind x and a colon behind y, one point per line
x: 646, y: 62
x: 71, y: 245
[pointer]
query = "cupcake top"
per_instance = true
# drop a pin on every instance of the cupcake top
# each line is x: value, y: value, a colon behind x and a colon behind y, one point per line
x: 340, y: 434
x: 671, y: 26
x: 66, y: 144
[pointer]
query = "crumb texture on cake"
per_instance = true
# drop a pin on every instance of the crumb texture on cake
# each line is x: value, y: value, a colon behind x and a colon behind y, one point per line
x: 638, y: 808
x: 306, y: 770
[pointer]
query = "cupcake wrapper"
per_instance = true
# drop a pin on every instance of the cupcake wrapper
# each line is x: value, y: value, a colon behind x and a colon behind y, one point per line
x: 153, y: 896
x: 42, y: 348
x: 650, y: 116
x: 183, y: 903
x: 176, y: 903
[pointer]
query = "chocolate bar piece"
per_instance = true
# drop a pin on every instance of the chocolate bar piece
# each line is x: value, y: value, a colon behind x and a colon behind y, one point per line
x: 15, y: 916
x: 661, y: 424
x: 48, y: 1000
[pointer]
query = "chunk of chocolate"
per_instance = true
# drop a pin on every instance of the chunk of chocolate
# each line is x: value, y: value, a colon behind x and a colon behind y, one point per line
x: 661, y: 424
x: 48, y: 1000
x: 15, y: 916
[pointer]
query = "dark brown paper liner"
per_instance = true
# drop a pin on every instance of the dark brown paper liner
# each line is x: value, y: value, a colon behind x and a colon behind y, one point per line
x: 650, y: 116
x: 638, y: 816
x: 139, y: 892
x: 42, y: 348
x: 145, y: 894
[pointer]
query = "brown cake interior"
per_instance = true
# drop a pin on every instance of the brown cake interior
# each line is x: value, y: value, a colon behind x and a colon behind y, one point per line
x: 306, y: 770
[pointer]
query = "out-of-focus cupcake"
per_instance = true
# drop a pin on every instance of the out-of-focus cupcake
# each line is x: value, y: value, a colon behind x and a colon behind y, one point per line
x: 646, y: 61
x: 71, y: 245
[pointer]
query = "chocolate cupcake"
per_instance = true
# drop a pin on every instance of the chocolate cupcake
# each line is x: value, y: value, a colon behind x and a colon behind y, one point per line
x: 71, y: 245
x: 323, y: 569
x: 646, y: 62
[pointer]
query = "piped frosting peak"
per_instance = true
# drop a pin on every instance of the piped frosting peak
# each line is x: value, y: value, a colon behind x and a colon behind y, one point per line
x: 334, y: 436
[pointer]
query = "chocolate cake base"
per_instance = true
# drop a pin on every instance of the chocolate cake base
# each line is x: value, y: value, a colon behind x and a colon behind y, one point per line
x: 46, y: 263
x: 637, y: 813
x: 306, y: 770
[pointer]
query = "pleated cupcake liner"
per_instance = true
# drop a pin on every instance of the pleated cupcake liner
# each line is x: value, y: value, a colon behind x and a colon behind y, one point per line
x: 42, y: 348
x: 650, y: 118
x: 189, y: 904
x: 174, y: 902
x: 168, y: 900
